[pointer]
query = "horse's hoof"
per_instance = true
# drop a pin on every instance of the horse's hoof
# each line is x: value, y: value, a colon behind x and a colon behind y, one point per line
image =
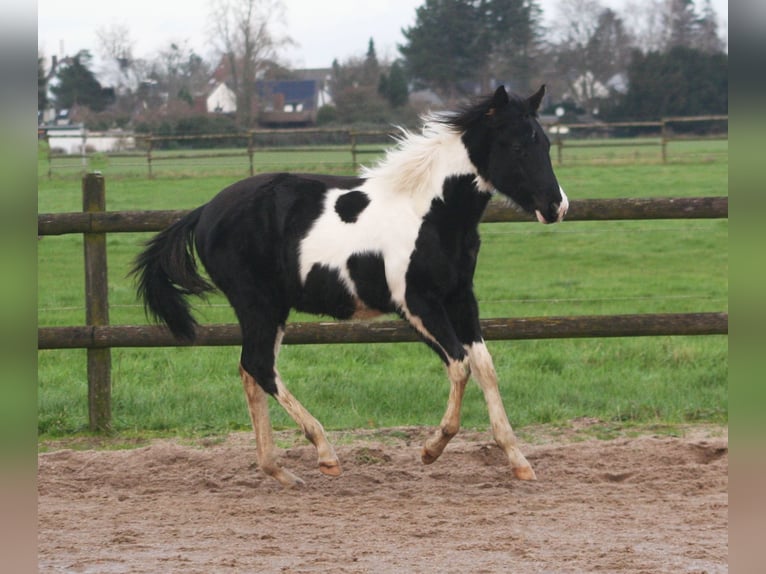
x: 287, y: 479
x: 330, y: 468
x: 428, y: 457
x: 524, y: 473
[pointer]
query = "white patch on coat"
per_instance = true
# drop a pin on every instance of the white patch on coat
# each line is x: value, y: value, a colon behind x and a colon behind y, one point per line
x: 400, y: 188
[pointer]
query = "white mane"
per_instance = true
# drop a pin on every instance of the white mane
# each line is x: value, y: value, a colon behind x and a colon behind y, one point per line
x: 420, y: 163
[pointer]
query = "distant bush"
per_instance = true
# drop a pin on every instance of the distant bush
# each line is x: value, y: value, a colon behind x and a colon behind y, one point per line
x: 327, y: 115
x: 185, y: 127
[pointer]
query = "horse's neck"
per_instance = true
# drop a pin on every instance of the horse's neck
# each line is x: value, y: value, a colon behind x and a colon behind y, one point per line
x: 419, y: 166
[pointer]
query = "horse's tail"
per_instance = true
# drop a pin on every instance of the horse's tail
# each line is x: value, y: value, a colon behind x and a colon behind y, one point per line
x: 166, y: 272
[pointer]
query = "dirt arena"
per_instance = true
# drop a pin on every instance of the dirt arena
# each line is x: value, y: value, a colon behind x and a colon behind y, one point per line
x: 651, y: 504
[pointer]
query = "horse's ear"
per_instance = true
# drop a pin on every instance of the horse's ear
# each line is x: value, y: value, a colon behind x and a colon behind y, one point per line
x: 536, y: 99
x: 499, y: 99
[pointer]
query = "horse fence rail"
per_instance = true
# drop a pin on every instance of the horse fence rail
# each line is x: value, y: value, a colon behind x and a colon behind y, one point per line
x: 99, y: 337
x: 355, y: 142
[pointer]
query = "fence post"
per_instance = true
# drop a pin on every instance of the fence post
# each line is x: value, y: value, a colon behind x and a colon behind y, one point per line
x: 149, y: 154
x: 250, y: 150
x: 664, y: 141
x: 352, y: 137
x: 50, y: 155
x: 97, y: 307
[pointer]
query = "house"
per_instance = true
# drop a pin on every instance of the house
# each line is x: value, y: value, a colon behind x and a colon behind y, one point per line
x: 221, y: 99
x: 288, y: 102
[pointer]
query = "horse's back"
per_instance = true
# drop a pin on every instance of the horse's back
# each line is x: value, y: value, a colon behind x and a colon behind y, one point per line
x: 265, y: 204
x: 254, y: 227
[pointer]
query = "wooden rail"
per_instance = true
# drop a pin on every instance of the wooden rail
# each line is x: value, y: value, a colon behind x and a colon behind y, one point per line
x: 579, y: 210
x: 351, y: 142
x: 309, y: 333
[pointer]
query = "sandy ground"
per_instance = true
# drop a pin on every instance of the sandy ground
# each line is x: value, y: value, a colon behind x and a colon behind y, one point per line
x: 652, y: 504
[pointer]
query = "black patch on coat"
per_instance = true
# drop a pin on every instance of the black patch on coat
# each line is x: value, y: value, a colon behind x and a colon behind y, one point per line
x: 248, y: 239
x: 325, y: 294
x: 368, y: 272
x: 349, y: 205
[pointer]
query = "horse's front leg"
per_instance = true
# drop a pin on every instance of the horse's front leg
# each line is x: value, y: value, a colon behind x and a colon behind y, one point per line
x: 484, y: 372
x: 432, y: 321
x: 458, y: 372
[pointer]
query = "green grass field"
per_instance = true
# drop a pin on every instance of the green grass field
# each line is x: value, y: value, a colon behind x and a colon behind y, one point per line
x: 524, y: 270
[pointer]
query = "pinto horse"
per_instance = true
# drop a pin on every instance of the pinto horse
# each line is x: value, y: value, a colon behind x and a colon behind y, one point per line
x: 402, y: 237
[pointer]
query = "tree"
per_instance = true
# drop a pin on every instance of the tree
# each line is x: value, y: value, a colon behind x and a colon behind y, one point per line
x: 660, y: 25
x: 593, y: 47
x: 457, y: 44
x: 515, y: 29
x: 116, y: 49
x: 706, y: 37
x: 680, y: 82
x: 371, y: 65
x: 244, y: 31
x: 356, y: 87
x: 42, y: 85
x: 180, y: 71
x: 393, y: 86
x: 78, y: 86
x: 446, y: 45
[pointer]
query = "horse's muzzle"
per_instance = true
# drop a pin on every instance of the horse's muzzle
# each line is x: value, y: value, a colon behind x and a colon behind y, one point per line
x: 555, y: 211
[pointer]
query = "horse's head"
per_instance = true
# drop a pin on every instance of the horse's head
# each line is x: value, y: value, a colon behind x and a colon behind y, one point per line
x: 511, y: 151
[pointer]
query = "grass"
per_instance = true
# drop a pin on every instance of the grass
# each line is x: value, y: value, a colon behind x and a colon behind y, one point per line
x: 524, y: 270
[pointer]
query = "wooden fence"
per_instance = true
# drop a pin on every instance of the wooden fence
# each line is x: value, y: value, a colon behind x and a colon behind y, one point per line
x: 98, y: 336
x: 353, y: 142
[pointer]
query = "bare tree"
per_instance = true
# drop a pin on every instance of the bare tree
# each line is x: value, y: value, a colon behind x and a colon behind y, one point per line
x: 181, y: 72
x: 659, y: 25
x: 115, y: 46
x: 245, y: 33
x: 707, y: 37
x: 647, y: 20
x: 592, y: 47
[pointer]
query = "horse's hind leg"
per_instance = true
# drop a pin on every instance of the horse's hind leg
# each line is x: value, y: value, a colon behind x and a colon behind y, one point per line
x: 260, y: 347
x: 257, y: 402
x: 312, y: 430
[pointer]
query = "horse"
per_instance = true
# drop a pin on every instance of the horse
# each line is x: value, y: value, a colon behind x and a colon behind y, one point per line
x: 400, y: 237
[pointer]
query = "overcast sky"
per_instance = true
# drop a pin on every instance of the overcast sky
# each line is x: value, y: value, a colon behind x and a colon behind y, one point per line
x: 322, y: 30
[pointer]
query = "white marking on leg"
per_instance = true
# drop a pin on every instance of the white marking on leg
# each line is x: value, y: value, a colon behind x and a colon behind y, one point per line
x: 278, y: 343
x: 564, y: 205
x: 312, y: 430
x: 458, y: 372
x: 257, y: 403
x: 484, y: 372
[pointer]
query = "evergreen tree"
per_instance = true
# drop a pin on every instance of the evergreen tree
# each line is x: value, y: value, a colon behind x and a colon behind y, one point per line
x: 371, y: 65
x: 78, y: 85
x: 681, y: 23
x: 515, y: 29
x: 681, y: 82
x: 393, y: 86
x: 42, y: 85
x: 446, y: 46
x: 706, y: 37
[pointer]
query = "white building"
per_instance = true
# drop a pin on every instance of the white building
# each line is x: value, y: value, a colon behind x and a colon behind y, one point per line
x: 222, y: 100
